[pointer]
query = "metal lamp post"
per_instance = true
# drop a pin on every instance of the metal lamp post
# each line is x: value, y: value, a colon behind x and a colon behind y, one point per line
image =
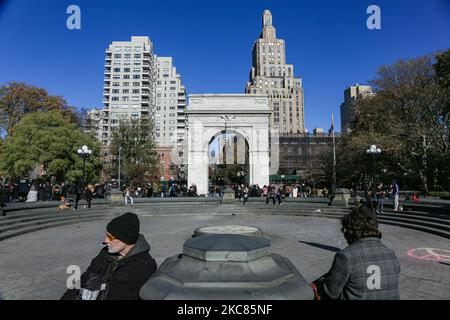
x: 84, y: 152
x: 373, y: 151
x: 115, y: 195
x: 120, y: 154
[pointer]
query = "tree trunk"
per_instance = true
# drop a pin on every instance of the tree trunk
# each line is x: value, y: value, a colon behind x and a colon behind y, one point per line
x: 423, y: 171
x: 448, y: 151
x: 424, y: 181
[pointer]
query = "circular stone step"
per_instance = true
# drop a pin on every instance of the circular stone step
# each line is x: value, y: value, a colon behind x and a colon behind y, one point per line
x: 226, y: 247
x: 228, y: 229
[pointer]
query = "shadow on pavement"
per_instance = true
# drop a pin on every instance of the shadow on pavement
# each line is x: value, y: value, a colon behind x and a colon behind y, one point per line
x: 321, y: 246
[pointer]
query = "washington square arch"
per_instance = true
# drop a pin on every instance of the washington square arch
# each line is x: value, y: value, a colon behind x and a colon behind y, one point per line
x: 238, y: 115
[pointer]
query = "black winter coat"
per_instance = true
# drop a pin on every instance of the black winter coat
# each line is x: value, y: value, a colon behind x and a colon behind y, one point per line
x: 123, y: 278
x: 88, y: 195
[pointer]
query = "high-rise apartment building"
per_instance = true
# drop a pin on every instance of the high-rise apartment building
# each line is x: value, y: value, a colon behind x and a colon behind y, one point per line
x: 170, y: 122
x: 138, y: 83
x: 130, y: 83
x: 272, y: 76
x: 348, y: 106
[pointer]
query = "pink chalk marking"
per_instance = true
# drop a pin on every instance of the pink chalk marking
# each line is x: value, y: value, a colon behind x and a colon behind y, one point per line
x: 414, y: 253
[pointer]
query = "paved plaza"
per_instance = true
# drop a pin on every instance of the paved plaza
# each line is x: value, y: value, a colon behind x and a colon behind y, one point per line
x: 33, y: 266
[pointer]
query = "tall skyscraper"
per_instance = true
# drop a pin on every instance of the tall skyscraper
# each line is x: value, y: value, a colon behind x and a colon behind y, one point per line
x: 348, y: 107
x: 170, y: 121
x: 139, y: 83
x: 272, y: 76
x: 130, y: 83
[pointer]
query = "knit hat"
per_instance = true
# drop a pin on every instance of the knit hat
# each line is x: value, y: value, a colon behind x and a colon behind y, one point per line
x: 125, y: 228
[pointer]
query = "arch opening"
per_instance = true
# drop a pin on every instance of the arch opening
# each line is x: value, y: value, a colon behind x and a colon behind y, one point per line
x: 228, y: 159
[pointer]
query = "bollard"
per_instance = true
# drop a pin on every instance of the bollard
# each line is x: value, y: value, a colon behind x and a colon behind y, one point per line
x: 116, y: 198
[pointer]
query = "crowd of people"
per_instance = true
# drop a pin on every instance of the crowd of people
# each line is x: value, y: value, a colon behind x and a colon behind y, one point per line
x: 381, y: 192
x: 33, y: 191
x: 43, y: 191
x: 244, y: 191
x: 71, y: 194
x: 159, y: 190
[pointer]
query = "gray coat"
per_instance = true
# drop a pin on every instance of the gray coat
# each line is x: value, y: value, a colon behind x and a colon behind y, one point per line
x: 355, y: 270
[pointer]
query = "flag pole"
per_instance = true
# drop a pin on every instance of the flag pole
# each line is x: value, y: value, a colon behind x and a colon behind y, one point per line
x: 334, y: 153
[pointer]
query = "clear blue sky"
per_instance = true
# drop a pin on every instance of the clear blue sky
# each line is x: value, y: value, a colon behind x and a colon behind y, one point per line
x: 211, y: 43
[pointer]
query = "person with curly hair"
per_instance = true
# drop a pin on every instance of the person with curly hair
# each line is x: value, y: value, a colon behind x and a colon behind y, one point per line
x: 366, y: 269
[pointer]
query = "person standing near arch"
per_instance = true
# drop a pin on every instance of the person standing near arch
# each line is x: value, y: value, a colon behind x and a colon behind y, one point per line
x: 395, y: 193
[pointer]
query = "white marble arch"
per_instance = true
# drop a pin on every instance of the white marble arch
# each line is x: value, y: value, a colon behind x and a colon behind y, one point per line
x: 246, y: 114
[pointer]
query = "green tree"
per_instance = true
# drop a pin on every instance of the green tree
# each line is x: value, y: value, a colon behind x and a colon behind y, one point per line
x: 18, y: 99
x: 1, y: 147
x: 48, y: 139
x: 442, y: 69
x: 405, y: 120
x: 139, y: 160
x: 84, y: 120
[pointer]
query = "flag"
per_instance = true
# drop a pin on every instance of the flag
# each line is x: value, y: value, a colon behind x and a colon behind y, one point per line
x: 332, y: 124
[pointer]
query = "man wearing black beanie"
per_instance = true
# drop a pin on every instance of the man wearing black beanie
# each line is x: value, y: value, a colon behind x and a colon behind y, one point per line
x: 122, y: 266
